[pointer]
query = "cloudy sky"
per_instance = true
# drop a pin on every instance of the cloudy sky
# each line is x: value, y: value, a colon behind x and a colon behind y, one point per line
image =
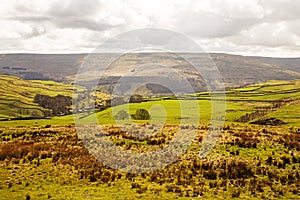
x: 253, y: 27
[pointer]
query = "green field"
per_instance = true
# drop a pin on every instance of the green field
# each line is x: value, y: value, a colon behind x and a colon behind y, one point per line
x: 46, y: 158
x: 19, y: 98
x: 17, y: 95
x: 238, y: 103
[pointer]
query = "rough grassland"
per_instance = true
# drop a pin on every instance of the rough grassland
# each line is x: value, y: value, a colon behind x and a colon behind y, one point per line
x: 46, y: 159
x: 248, y: 162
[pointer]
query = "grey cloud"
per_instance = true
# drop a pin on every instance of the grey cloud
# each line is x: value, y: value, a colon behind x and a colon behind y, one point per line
x: 37, y: 19
x: 281, y: 10
x: 77, y: 22
x: 37, y: 25
x: 208, y: 25
x: 266, y: 35
x: 77, y: 14
x: 65, y: 22
x: 270, y: 23
x: 294, y: 26
x: 232, y: 25
x: 75, y: 8
x: 35, y: 31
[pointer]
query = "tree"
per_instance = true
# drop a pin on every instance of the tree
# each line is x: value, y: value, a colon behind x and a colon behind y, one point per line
x: 58, y: 105
x: 136, y: 99
x: 141, y: 114
x: 122, y: 114
x: 116, y: 101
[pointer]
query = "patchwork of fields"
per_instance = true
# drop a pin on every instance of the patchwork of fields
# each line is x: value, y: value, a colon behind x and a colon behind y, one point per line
x: 17, y: 101
x: 17, y: 95
x: 46, y: 159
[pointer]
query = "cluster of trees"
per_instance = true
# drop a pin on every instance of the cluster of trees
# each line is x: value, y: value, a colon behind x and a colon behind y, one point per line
x: 58, y: 105
x: 34, y: 76
x: 140, y: 114
x: 249, y: 117
x: 121, y: 100
x: 262, y: 111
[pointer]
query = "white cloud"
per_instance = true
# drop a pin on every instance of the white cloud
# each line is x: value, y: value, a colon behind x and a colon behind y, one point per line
x: 266, y: 27
x: 266, y: 34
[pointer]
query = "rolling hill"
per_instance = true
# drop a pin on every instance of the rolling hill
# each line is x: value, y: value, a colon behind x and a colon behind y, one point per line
x: 236, y: 70
x: 271, y: 99
x: 17, y: 95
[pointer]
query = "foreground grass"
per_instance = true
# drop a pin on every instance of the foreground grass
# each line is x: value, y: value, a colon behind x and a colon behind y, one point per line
x: 47, y: 183
x: 248, y: 162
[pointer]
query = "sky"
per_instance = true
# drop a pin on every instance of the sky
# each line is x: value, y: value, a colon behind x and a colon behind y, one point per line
x: 246, y: 27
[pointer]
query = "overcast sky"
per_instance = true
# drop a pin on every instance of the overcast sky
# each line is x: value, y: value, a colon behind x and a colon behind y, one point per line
x: 248, y: 27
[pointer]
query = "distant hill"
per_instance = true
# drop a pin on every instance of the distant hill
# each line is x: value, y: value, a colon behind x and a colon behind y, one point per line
x: 236, y: 70
x: 41, y: 66
x: 239, y: 70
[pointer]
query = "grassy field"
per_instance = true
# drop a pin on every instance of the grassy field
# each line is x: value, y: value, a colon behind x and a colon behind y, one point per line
x: 46, y: 159
x: 17, y: 95
x: 239, y: 102
x: 248, y: 162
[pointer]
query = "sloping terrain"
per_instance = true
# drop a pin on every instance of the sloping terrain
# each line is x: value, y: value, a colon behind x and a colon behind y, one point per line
x: 48, y: 66
x: 271, y: 99
x: 17, y: 96
x: 236, y: 70
x: 279, y: 100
